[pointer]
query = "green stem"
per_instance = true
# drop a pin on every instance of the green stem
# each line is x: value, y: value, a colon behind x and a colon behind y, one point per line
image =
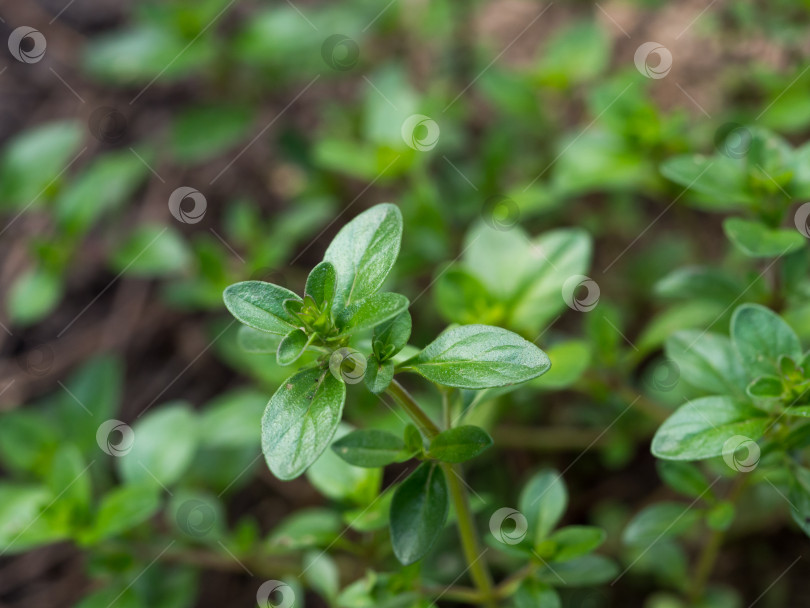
x: 469, y: 536
x: 478, y: 568
x: 417, y: 414
x: 711, y: 550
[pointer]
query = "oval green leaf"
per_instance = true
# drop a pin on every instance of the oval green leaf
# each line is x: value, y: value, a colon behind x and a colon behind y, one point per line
x: 480, y: 356
x: 459, y: 444
x: 418, y: 513
x: 300, y: 421
x: 260, y: 305
x: 364, y: 251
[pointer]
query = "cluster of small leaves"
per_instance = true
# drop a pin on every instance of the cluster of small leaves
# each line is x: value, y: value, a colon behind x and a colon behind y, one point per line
x: 558, y: 557
x: 168, y: 485
x: 756, y: 384
x: 342, y: 299
x: 756, y: 171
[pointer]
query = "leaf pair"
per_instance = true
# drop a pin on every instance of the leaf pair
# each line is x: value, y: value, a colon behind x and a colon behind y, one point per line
x: 375, y: 448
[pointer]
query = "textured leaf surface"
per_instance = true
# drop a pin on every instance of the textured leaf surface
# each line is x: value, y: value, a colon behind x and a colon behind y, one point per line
x: 372, y: 311
x: 364, y: 251
x: 700, y: 428
x: 418, y: 513
x: 260, y: 305
x: 480, y: 356
x: 300, y: 421
x: 761, y: 337
x: 370, y: 448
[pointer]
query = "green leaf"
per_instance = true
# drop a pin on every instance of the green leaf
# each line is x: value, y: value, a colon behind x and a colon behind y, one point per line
x: 122, y: 509
x: 391, y: 336
x: 306, y: 528
x: 103, y: 187
x: 583, y: 571
x: 721, y: 516
x: 720, y: 181
x: 701, y: 282
x: 554, y: 256
x: 765, y: 387
x: 152, y: 250
x: 480, y: 356
x: 761, y: 337
x: 684, y: 477
x: 534, y: 594
x: 35, y: 158
x: 300, y: 421
x: 27, y: 441
x: 205, y: 132
x: 569, y: 360
x: 21, y: 525
x: 459, y: 444
x: 523, y: 277
x: 34, y: 295
x: 70, y: 483
x: 707, y: 361
x: 364, y: 251
x: 418, y: 513
x: 659, y: 521
x: 543, y: 502
x: 413, y: 439
x: 255, y: 341
x: 321, y: 285
x: 700, y: 428
x: 260, y: 305
x: 372, y: 311
x: 575, y: 541
x: 165, y: 441
x: 233, y: 420
x: 322, y: 574
x: 336, y: 478
x: 292, y: 347
x: 575, y: 54
x: 371, y: 448
x: 378, y: 375
x: 756, y: 240
x: 462, y: 297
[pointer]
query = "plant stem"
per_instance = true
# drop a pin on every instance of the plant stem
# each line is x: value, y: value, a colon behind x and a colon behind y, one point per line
x: 411, y: 407
x: 479, y: 571
x: 711, y: 550
x: 469, y: 537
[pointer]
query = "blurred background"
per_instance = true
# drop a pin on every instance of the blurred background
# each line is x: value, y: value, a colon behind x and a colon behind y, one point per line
x: 155, y: 152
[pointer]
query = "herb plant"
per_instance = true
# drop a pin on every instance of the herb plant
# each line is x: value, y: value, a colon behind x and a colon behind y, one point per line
x: 341, y: 305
